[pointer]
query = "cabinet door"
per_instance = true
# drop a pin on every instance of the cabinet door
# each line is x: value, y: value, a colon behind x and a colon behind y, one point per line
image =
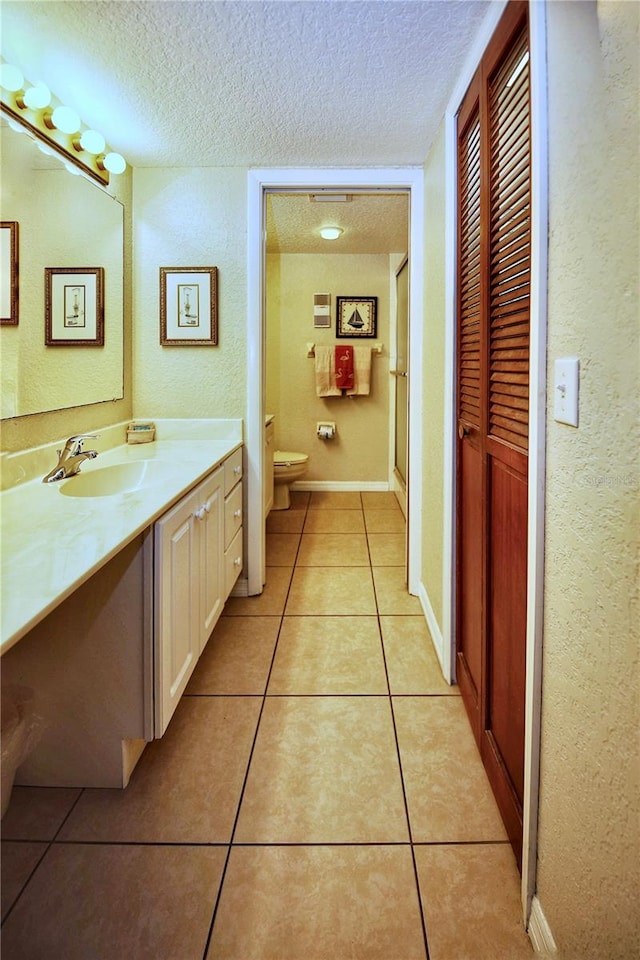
x: 210, y: 523
x: 177, y: 599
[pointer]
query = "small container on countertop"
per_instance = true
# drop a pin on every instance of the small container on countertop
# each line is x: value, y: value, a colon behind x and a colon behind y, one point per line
x: 141, y: 431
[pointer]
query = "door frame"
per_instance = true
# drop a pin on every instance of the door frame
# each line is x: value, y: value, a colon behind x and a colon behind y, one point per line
x: 260, y: 181
x: 537, y: 407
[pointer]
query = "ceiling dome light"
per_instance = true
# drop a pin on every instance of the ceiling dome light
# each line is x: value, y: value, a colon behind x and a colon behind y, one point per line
x: 37, y: 97
x: 66, y: 120
x: 114, y: 163
x: 92, y: 141
x: 11, y: 78
x: 330, y: 233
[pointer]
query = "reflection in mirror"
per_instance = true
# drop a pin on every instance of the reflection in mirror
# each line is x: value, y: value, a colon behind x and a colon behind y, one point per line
x: 64, y: 221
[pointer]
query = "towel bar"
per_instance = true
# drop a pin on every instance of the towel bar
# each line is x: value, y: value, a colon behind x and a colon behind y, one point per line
x: 376, y: 349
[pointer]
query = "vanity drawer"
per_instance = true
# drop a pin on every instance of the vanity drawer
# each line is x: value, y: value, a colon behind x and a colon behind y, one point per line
x: 232, y: 470
x: 232, y: 563
x: 232, y: 514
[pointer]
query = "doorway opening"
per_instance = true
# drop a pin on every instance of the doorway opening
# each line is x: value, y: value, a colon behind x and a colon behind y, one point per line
x: 377, y: 184
x: 311, y: 287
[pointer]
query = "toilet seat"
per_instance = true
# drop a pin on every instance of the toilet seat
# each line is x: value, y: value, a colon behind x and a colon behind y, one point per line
x: 285, y: 458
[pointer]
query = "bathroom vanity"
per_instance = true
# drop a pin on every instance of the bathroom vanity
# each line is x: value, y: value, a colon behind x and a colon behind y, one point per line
x: 109, y: 597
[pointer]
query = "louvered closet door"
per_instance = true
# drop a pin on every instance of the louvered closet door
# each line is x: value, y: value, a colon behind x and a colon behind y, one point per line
x: 492, y: 450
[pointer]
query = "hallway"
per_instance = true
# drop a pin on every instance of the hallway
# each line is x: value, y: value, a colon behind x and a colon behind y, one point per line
x: 318, y: 793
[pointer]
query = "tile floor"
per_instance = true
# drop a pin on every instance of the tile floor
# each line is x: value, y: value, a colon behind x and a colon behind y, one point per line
x: 318, y: 793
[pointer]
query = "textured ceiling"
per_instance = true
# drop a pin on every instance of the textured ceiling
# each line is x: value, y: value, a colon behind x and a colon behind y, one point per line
x: 276, y: 83
x: 371, y: 223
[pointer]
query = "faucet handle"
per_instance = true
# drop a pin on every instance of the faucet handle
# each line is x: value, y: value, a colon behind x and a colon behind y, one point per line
x: 75, y: 443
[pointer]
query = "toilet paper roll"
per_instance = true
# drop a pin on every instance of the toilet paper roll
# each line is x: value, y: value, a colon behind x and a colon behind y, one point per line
x: 325, y: 433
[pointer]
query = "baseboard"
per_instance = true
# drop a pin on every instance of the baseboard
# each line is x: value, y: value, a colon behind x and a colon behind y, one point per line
x: 540, y: 932
x: 337, y: 485
x: 432, y: 623
x: 240, y: 588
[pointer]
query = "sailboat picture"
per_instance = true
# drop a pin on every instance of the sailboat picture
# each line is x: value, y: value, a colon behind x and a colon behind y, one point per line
x: 356, y: 316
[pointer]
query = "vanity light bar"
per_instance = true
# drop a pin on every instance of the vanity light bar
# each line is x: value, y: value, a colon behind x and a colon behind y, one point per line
x: 38, y: 112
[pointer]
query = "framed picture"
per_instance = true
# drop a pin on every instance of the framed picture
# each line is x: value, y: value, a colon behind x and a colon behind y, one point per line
x: 9, y: 272
x: 74, y: 306
x: 356, y: 316
x: 189, y: 306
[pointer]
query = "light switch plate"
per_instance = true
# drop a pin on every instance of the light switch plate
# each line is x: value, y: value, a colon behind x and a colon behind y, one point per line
x: 565, y: 390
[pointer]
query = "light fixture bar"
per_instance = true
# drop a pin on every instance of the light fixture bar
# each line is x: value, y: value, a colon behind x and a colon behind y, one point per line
x: 59, y: 128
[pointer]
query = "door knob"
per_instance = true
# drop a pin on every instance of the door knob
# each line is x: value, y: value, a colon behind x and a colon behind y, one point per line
x: 462, y: 430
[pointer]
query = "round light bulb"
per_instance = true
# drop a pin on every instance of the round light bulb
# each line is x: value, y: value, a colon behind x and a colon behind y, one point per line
x: 66, y: 120
x: 330, y: 233
x: 37, y: 97
x: 11, y: 78
x: 71, y: 169
x: 92, y: 141
x: 114, y: 163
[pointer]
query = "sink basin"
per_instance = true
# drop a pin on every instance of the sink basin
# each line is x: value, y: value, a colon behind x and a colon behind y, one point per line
x: 110, y: 480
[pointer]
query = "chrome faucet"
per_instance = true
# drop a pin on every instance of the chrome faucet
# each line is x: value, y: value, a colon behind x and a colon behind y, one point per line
x: 71, y: 457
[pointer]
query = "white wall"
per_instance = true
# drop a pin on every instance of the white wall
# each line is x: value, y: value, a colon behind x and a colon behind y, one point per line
x: 189, y: 218
x: 588, y: 870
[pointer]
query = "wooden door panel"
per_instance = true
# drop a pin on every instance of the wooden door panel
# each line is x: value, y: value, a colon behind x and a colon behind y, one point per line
x: 470, y: 580
x: 507, y: 617
x: 493, y: 335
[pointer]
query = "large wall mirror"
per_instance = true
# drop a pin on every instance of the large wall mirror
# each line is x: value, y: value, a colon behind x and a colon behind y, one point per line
x: 64, y: 221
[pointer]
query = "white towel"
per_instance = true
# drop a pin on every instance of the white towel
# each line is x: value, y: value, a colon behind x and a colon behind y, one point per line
x: 361, y: 370
x: 326, y: 372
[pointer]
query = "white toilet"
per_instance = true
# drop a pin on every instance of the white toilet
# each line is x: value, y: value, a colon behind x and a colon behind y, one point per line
x: 287, y: 467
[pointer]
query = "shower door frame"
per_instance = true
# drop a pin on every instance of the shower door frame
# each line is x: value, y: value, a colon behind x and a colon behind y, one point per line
x: 261, y: 181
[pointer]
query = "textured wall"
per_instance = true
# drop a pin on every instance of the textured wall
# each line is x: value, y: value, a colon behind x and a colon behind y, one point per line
x: 433, y: 399
x: 361, y: 448
x: 190, y: 218
x: 588, y: 879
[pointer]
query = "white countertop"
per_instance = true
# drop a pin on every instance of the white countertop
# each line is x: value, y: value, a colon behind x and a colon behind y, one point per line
x: 52, y: 543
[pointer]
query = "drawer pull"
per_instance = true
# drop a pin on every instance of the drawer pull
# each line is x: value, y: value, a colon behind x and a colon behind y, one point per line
x: 199, y: 514
x: 237, y: 562
x: 237, y: 470
x: 237, y: 514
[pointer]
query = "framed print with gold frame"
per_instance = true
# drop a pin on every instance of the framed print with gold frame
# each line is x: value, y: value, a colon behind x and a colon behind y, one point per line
x: 9, y: 273
x: 189, y: 306
x: 74, y: 306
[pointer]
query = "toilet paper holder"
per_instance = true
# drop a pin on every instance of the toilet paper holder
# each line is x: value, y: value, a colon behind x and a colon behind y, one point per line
x: 326, y: 429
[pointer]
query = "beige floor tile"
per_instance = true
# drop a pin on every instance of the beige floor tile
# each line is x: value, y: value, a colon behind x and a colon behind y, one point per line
x: 281, y: 549
x: 387, y: 549
x: 18, y: 860
x: 186, y: 787
x: 448, y: 792
x: 328, y: 655
x: 286, y: 521
x: 333, y: 550
x: 109, y: 902
x: 324, y: 769
x: 471, y: 902
x: 237, y: 657
x: 379, y: 500
x: 411, y: 660
x: 331, y: 591
x: 299, y: 499
x: 392, y: 595
x: 319, y: 903
x: 335, y: 500
x: 37, y: 813
x: 270, y: 603
x: 384, y: 521
x: 334, y: 521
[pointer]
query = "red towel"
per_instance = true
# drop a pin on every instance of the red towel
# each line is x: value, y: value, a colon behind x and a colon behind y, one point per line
x: 344, y: 367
